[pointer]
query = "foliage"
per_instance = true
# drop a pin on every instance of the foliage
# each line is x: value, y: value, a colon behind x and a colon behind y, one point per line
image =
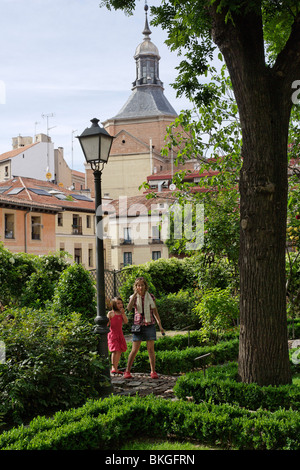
x: 220, y: 385
x: 51, y: 363
x: 174, y: 361
x: 218, y: 311
x: 176, y: 310
x: 215, y: 272
x: 105, y: 425
x: 163, y: 276
x: 75, y: 292
x: 29, y: 280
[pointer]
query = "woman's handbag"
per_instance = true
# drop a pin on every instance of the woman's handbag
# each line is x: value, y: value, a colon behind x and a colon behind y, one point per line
x: 136, y: 329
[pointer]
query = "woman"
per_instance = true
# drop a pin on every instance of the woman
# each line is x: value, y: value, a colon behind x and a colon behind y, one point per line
x: 145, y: 315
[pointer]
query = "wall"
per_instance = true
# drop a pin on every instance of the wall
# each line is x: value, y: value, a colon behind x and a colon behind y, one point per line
x: 21, y: 243
x: 33, y: 163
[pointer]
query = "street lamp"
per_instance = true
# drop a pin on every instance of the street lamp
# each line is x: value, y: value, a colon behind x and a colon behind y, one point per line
x: 96, y: 144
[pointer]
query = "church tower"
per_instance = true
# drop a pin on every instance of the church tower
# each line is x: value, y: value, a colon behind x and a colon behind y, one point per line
x: 139, y: 127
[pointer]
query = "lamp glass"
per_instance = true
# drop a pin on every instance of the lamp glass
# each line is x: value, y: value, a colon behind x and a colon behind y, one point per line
x: 90, y: 146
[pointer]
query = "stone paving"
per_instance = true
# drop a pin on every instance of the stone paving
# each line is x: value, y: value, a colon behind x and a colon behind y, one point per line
x: 143, y: 385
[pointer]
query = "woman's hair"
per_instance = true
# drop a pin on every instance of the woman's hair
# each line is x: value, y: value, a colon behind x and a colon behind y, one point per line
x: 114, y: 303
x: 138, y: 279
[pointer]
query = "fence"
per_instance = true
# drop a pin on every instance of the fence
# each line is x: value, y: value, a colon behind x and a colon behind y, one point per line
x: 113, y: 281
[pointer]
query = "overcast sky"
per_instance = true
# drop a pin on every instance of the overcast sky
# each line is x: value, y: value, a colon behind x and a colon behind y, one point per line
x: 71, y: 59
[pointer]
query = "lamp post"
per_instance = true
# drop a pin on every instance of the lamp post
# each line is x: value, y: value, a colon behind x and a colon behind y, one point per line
x: 96, y: 144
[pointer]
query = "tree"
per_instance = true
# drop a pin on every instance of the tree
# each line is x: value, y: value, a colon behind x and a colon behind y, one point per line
x: 263, y: 76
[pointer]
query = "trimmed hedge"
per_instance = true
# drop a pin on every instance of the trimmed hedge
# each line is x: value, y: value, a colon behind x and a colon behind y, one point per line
x: 220, y: 385
x: 106, y: 424
x: 176, y: 361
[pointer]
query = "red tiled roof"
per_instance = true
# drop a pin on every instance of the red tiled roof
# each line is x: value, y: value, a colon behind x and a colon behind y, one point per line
x: 189, y: 175
x: 29, y: 197
x: 139, y: 205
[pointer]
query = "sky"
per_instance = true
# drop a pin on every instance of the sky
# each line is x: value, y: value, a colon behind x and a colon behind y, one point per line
x: 64, y: 62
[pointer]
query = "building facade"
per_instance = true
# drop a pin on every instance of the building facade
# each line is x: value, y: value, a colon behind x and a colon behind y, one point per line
x: 39, y: 217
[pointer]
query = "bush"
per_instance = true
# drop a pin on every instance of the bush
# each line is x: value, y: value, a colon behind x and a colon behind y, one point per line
x: 216, y: 274
x: 75, y: 292
x: 218, y: 311
x: 220, y: 385
x: 15, y: 269
x: 164, y: 276
x: 177, y: 310
x: 51, y: 363
x: 176, y: 361
x: 29, y: 280
x: 106, y: 425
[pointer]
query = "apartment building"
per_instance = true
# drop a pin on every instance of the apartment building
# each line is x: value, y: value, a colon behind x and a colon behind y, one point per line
x: 39, y: 217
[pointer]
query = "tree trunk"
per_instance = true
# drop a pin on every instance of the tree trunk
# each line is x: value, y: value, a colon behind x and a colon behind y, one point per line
x: 264, y: 109
x: 263, y: 354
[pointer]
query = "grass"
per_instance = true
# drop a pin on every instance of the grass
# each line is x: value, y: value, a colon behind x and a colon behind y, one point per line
x: 163, y: 445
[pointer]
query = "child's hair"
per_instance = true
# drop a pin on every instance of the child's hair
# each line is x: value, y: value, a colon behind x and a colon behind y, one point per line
x: 138, y: 279
x: 114, y: 303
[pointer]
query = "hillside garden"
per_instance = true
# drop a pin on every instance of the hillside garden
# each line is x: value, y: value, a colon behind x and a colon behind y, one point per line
x: 51, y: 379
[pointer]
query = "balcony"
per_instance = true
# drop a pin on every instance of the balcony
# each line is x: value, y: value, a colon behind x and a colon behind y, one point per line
x: 76, y: 229
x: 126, y: 241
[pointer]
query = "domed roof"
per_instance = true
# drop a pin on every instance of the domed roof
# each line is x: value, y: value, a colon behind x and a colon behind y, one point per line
x: 145, y: 48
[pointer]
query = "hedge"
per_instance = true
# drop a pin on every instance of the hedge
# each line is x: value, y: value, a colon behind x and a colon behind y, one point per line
x: 220, y: 385
x: 106, y: 424
x: 176, y: 361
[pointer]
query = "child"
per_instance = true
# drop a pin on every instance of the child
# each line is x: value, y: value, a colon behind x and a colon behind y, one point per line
x: 116, y: 340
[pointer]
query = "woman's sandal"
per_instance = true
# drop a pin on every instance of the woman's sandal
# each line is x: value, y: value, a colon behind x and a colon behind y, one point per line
x: 127, y: 375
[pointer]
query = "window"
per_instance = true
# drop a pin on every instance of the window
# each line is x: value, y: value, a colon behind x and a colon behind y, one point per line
x: 156, y: 234
x: 91, y: 259
x: 77, y: 225
x: 127, y: 258
x: 60, y: 219
x: 156, y: 255
x: 88, y: 221
x: 77, y: 255
x: 36, y: 227
x: 9, y: 225
x: 127, y: 235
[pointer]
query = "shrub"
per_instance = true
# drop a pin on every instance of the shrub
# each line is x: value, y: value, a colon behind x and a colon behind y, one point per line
x: 176, y: 361
x: 220, y: 385
x: 164, y: 276
x: 217, y: 274
x: 106, y: 425
x: 177, y: 310
x: 15, y: 269
x: 51, y: 363
x: 218, y: 311
x: 29, y: 280
x: 75, y: 292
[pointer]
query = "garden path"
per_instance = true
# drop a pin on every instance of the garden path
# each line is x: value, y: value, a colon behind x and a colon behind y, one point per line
x: 143, y: 385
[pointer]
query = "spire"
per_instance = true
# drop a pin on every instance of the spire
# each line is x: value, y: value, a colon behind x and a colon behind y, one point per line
x: 147, y: 59
x: 147, y: 30
x: 147, y: 98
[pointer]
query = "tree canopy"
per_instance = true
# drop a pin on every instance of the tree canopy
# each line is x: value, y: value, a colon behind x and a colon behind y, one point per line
x: 260, y: 43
